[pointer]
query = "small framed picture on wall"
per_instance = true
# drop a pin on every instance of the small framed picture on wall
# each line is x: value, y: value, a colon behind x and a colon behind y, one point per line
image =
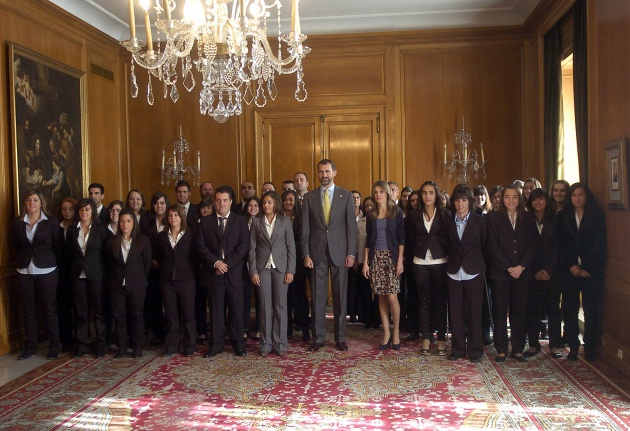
x: 616, y: 174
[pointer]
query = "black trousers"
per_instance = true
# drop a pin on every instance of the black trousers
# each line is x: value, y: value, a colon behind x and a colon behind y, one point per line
x: 65, y: 311
x: 89, y: 294
x: 201, y: 304
x: 298, y: 299
x: 354, y: 304
x: 510, y: 297
x: 547, y: 294
x: 42, y: 289
x: 413, y: 306
x: 369, y: 303
x: 128, y: 303
x: 179, y: 305
x: 221, y: 292
x: 590, y: 288
x: 432, y: 299
x: 153, y: 311
x: 465, y: 300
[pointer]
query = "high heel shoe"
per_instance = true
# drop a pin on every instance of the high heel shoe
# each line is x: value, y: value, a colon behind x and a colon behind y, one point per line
x: 386, y: 346
x: 395, y: 346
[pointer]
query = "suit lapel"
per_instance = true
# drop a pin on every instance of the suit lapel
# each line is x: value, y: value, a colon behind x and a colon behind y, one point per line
x: 319, y: 205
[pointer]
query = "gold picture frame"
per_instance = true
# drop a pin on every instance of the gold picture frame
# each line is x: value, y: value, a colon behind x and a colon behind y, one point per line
x: 616, y: 174
x: 49, y: 130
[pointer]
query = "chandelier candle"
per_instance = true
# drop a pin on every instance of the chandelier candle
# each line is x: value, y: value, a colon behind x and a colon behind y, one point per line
x: 132, y: 20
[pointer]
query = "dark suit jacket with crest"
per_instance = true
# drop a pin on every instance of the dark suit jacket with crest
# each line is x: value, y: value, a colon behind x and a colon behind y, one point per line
x: 468, y: 252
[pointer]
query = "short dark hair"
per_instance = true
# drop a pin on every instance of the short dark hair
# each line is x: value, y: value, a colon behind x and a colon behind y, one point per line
x: 97, y: 186
x: 225, y: 189
x: 303, y: 173
x: 327, y: 162
x: 182, y: 183
x: 462, y: 191
x: 206, y: 203
x: 270, y: 182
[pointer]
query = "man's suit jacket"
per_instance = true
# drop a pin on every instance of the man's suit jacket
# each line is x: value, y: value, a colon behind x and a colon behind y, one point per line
x: 235, y: 246
x: 509, y: 247
x: 93, y: 263
x: 281, y: 246
x: 339, y: 236
x: 135, y: 271
x: 469, y: 251
x: 192, y: 215
x: 103, y: 216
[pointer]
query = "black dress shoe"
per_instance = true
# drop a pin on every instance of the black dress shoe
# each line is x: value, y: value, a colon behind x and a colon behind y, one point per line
x: 189, y: 353
x: 52, y: 354
x: 168, y: 354
x: 306, y: 335
x: 573, y: 355
x: 342, y: 346
x: 453, y: 357
x: 80, y: 353
x: 475, y: 360
x: 212, y: 353
x: 589, y: 355
x: 137, y: 354
x: 520, y: 358
x: 27, y: 353
x: 556, y: 355
x: 500, y: 358
x: 67, y: 348
x: 315, y: 347
x: 530, y: 353
x: 412, y: 336
x: 100, y: 352
x: 240, y: 352
x: 122, y: 351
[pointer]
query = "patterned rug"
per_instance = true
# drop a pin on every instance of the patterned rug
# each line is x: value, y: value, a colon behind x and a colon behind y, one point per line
x: 362, y: 389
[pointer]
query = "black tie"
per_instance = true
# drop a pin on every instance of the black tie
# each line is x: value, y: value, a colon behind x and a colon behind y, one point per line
x: 222, y: 225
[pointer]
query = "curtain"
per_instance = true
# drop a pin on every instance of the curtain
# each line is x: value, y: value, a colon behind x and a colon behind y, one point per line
x: 580, y: 87
x: 553, y: 99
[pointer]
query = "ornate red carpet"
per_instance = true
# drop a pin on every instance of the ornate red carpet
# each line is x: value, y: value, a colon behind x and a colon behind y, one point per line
x: 361, y: 389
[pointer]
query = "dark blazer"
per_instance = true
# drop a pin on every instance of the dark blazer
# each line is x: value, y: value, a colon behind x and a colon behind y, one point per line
x: 146, y: 220
x: 395, y: 233
x: 193, y: 215
x: 235, y: 247
x: 589, y: 242
x: 94, y: 261
x: 46, y: 249
x: 179, y: 263
x: 104, y: 216
x: 281, y: 245
x: 510, y: 247
x: 546, y: 256
x: 418, y: 240
x: 339, y: 236
x: 468, y: 252
x: 135, y: 271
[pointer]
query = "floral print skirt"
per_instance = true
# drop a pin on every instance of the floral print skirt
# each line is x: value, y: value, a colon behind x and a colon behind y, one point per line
x: 383, y: 274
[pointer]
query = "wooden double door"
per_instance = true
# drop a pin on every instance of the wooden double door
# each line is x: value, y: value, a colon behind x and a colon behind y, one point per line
x: 288, y: 142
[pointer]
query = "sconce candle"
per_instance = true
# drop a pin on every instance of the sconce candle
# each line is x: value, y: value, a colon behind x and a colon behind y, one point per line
x: 132, y: 20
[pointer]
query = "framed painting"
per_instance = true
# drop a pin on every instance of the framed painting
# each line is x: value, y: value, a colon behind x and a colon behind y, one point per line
x: 49, y: 130
x: 616, y: 174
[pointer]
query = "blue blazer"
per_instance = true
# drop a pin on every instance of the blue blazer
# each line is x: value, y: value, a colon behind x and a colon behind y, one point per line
x: 395, y: 232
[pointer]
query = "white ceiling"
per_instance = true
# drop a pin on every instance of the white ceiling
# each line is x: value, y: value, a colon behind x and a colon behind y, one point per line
x: 335, y: 16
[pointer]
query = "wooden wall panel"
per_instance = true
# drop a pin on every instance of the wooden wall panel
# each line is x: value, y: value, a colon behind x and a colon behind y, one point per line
x: 482, y: 85
x: 609, y: 92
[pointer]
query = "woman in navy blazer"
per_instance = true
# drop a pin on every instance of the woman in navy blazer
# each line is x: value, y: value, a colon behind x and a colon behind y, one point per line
x: 466, y: 234
x: 129, y: 256
x: 85, y: 242
x: 426, y: 236
x: 38, y: 243
x: 178, y: 275
x: 512, y: 244
x: 383, y: 263
x: 272, y: 262
x: 545, y: 285
x: 582, y: 250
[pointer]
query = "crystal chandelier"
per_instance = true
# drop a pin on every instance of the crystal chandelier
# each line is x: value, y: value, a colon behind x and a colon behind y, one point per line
x: 233, y: 56
x: 173, y: 169
x: 464, y: 163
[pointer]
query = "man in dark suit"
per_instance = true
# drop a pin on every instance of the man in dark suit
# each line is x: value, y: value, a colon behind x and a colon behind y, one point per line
x: 222, y: 243
x: 96, y: 192
x: 182, y: 191
x: 300, y: 180
x: 328, y: 239
x: 247, y: 191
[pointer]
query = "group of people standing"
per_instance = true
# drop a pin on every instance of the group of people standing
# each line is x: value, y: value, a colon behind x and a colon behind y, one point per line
x: 464, y: 260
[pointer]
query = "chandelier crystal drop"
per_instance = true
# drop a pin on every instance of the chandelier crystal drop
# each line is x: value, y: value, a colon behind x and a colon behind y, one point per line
x: 227, y: 46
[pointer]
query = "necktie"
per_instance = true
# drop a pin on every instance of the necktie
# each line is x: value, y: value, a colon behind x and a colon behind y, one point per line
x: 222, y: 225
x: 326, y: 206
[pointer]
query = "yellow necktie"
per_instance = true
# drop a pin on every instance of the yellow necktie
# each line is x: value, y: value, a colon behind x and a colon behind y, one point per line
x: 326, y: 206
